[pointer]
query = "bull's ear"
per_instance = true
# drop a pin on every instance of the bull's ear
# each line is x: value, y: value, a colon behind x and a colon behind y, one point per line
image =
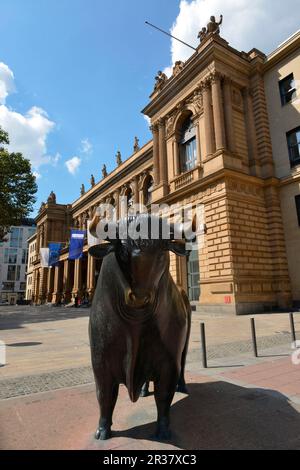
x: 102, y: 250
x: 178, y: 247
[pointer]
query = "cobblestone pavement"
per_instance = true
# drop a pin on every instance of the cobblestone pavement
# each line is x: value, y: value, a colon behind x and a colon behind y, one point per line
x: 37, y: 383
x: 48, y: 348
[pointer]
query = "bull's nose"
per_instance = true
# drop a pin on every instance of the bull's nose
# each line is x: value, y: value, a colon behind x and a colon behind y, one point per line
x: 138, y: 299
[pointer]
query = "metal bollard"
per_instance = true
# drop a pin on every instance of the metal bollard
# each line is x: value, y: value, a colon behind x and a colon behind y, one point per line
x: 293, y: 332
x: 203, y: 345
x: 254, y: 342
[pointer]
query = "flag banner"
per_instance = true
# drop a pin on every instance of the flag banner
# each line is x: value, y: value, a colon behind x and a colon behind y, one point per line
x: 76, y: 244
x: 54, y: 253
x: 92, y: 241
x: 44, y: 254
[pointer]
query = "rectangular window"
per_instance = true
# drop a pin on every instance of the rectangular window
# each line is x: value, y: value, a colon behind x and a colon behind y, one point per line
x: 22, y: 285
x: 288, y: 89
x: 293, y: 140
x: 10, y: 256
x: 24, y: 256
x: 8, y: 286
x: 297, y: 199
x: 188, y: 154
x: 11, y: 273
x: 14, y: 237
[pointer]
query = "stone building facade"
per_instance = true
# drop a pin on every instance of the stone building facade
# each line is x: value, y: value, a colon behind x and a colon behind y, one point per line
x: 211, y: 145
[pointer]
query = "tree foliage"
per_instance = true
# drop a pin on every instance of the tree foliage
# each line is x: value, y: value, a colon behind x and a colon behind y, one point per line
x: 17, y: 187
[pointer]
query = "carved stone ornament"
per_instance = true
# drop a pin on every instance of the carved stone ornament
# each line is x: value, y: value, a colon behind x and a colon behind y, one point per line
x: 213, y: 27
x: 52, y: 198
x: 178, y: 67
x: 161, y: 79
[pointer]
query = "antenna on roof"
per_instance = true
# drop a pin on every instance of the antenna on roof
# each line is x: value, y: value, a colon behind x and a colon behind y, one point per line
x: 170, y: 35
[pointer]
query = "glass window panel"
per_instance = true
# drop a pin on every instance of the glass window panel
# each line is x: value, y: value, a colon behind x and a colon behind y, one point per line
x: 11, y: 273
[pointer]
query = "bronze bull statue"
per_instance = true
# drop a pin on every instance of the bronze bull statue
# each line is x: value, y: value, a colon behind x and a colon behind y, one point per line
x: 139, y: 325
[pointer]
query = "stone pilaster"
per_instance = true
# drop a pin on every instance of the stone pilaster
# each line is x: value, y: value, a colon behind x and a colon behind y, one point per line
x: 218, y: 112
x: 50, y: 284
x: 163, y: 163
x: 208, y: 119
x: 251, y: 133
x: 156, y: 163
x: 231, y: 144
x: 264, y: 145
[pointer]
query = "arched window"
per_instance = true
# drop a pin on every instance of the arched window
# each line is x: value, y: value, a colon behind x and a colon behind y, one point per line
x: 129, y: 195
x: 148, y: 188
x: 187, y: 146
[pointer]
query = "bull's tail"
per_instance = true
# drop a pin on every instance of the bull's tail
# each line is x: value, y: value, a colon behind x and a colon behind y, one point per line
x: 181, y: 387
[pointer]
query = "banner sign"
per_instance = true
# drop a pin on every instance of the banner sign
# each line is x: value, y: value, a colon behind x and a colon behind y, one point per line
x: 44, y: 254
x: 76, y: 244
x: 54, y: 253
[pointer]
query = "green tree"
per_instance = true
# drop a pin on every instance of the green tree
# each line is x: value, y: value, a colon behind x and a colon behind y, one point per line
x: 17, y: 187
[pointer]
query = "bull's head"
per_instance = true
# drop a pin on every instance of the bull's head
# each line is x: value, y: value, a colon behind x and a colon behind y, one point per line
x: 143, y: 260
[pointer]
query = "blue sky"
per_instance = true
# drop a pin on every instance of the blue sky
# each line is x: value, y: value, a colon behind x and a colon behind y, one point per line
x: 76, y: 73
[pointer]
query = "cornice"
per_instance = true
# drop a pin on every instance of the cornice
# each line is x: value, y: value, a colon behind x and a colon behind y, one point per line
x: 214, y: 49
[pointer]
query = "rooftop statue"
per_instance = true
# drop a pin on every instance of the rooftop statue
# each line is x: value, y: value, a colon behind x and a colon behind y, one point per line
x: 161, y: 79
x: 136, y: 146
x: 213, y: 27
x: 178, y: 66
x: 52, y: 198
x: 82, y: 190
x: 119, y: 158
x: 104, y: 171
x: 92, y: 181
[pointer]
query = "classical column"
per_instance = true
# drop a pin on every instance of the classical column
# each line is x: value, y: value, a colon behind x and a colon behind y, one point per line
x: 208, y: 119
x: 251, y: 132
x: 136, y: 190
x: 67, y: 280
x: 176, y: 156
x: 163, y: 164
x: 77, y: 277
x: 117, y: 201
x: 229, y: 125
x: 91, y: 276
x: 57, y: 287
x: 50, y: 284
x: 218, y: 111
x: 156, y: 167
x: 199, y: 159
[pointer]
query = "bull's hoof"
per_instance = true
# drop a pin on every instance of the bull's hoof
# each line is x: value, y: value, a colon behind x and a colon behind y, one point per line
x: 144, y: 393
x: 102, y: 434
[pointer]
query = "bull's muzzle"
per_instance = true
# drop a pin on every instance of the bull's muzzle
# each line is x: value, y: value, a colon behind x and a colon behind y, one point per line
x: 137, y: 298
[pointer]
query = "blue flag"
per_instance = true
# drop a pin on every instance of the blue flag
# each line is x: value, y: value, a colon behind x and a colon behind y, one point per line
x: 54, y: 253
x: 76, y: 244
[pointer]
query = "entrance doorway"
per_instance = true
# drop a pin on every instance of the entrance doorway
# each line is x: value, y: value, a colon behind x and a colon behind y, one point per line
x: 193, y: 275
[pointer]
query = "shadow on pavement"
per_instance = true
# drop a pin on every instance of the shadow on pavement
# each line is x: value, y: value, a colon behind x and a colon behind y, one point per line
x: 220, y: 415
x: 12, y: 318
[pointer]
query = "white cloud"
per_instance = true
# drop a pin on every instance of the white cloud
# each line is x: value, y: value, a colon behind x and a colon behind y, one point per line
x: 73, y: 164
x: 260, y: 23
x: 7, y: 85
x: 28, y: 132
x: 86, y: 146
x: 37, y: 175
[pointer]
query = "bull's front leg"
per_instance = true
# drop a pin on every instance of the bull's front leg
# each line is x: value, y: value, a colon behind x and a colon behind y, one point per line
x: 164, y: 390
x: 107, y: 394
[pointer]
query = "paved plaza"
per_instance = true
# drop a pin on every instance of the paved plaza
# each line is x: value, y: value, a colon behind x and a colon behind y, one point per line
x: 48, y: 398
